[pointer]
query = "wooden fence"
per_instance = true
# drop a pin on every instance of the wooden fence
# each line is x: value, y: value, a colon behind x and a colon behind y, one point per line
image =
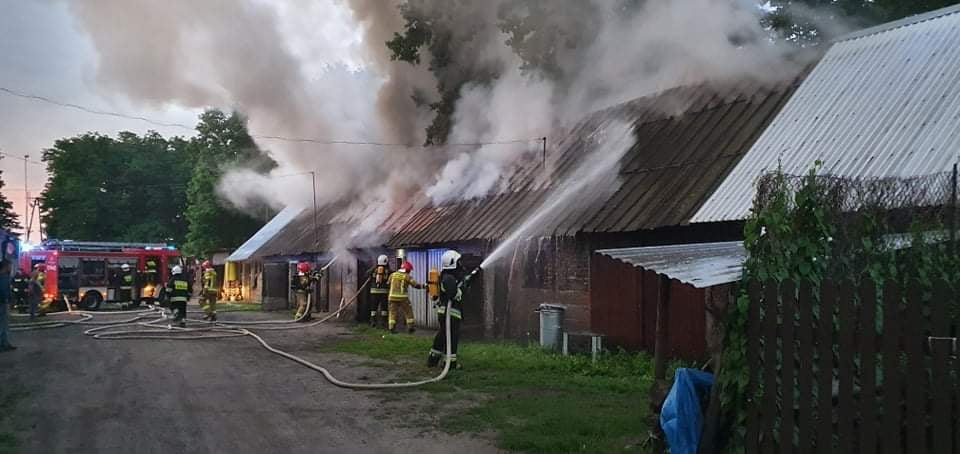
x: 880, y: 376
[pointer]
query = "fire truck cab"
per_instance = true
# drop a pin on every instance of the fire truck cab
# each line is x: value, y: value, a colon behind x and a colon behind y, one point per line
x: 87, y: 274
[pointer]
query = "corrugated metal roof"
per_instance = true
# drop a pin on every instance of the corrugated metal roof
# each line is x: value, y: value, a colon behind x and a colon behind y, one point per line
x: 687, y: 139
x: 881, y: 103
x: 700, y: 265
x: 267, y: 232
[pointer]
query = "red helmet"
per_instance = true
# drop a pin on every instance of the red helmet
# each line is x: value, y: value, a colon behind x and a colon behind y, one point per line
x: 206, y: 264
x: 303, y: 267
x: 407, y: 267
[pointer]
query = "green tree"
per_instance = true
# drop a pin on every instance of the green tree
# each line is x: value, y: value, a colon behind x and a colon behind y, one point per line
x: 8, y: 218
x: 811, y: 22
x: 222, y: 141
x: 130, y: 188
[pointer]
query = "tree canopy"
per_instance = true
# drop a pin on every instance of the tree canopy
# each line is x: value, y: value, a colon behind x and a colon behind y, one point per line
x: 8, y: 217
x: 149, y: 188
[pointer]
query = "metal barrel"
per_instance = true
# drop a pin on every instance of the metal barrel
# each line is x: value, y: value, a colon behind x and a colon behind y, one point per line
x: 551, y: 325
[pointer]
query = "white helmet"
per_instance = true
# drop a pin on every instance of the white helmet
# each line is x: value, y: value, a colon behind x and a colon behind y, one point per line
x: 450, y: 260
x: 125, y: 267
x: 176, y: 269
x: 382, y: 260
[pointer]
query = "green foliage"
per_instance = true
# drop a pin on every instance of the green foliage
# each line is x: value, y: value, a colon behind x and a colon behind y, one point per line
x: 112, y: 189
x: 815, y: 21
x: 222, y: 141
x: 534, y: 400
x: 8, y: 218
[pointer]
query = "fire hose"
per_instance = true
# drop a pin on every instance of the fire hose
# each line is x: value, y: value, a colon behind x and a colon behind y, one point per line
x: 221, y: 330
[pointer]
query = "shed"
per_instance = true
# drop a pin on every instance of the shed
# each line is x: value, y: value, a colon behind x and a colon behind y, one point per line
x: 692, y: 279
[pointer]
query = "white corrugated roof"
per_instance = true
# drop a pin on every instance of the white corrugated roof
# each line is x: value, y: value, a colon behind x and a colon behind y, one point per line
x: 701, y: 265
x: 883, y: 102
x: 265, y: 233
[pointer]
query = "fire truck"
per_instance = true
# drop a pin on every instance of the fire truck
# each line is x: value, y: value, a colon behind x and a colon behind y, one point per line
x: 87, y: 274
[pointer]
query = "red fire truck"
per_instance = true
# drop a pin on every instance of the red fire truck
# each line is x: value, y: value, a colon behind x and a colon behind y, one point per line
x: 89, y: 273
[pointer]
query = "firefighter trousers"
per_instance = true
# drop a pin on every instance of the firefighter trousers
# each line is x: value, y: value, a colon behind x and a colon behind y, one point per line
x: 378, y: 308
x: 181, y: 310
x: 404, y: 308
x: 303, y: 299
x: 439, y: 349
x: 210, y: 303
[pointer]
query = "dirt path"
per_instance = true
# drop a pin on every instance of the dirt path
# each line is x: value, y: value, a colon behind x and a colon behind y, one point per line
x: 212, y: 396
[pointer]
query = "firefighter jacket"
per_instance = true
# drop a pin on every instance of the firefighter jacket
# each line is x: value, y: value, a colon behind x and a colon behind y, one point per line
x: 399, y: 283
x: 150, y: 272
x: 20, y: 285
x: 128, y: 279
x: 178, y: 289
x: 210, y: 280
x: 302, y: 282
x: 452, y: 285
x: 380, y: 280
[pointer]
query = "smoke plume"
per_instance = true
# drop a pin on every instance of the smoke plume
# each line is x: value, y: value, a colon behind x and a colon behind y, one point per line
x: 320, y: 69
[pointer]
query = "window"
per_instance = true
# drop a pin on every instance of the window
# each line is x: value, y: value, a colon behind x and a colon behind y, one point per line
x: 93, y: 272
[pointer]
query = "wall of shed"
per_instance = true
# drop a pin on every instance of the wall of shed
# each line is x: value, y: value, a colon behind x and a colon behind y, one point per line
x: 624, y: 308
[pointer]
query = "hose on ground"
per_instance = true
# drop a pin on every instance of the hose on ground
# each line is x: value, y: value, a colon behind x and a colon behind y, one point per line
x: 221, y: 330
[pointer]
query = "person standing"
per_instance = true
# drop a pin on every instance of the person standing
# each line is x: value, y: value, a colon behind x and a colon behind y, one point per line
x: 302, y: 285
x: 178, y: 292
x: 20, y: 287
x: 453, y: 282
x: 210, y: 292
x: 35, y: 292
x: 398, y: 298
x: 5, y: 296
x: 379, y: 289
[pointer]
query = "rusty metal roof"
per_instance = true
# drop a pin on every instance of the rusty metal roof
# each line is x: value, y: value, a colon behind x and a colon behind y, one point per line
x: 700, y: 265
x: 687, y: 140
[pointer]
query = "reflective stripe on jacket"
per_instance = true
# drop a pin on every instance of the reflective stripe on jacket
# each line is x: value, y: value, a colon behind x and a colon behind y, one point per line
x: 178, y: 289
x: 210, y: 280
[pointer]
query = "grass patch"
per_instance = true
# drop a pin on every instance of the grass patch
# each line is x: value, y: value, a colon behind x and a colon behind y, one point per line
x: 534, y: 400
x: 239, y: 307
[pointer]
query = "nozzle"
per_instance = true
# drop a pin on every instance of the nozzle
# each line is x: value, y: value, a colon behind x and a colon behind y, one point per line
x: 476, y: 270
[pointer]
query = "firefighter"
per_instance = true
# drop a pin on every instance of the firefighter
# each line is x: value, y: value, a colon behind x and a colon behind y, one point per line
x: 453, y: 281
x: 210, y: 292
x: 128, y: 282
x: 302, y: 284
x: 178, y: 293
x: 21, y: 284
x: 35, y: 292
x: 379, y: 289
x: 398, y: 299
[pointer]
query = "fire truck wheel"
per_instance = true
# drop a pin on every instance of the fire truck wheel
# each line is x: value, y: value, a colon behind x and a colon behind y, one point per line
x: 91, y: 301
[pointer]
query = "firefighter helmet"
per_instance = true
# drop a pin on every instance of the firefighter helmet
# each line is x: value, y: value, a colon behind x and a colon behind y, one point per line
x: 382, y: 260
x: 40, y: 267
x: 206, y: 265
x: 176, y: 269
x: 125, y: 267
x: 303, y: 267
x: 407, y: 267
x: 450, y: 260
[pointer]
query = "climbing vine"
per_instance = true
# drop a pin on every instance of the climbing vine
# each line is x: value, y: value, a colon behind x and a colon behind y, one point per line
x: 813, y: 227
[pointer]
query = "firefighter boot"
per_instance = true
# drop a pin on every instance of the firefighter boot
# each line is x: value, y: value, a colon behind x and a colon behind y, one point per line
x: 373, y: 321
x: 433, y: 360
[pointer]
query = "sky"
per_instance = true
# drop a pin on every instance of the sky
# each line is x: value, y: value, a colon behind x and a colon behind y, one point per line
x: 44, y: 51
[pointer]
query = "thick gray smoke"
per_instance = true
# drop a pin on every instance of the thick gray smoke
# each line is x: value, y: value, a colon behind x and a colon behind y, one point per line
x: 321, y: 69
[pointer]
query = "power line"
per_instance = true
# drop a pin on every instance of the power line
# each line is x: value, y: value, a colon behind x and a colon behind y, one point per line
x: 22, y: 159
x: 93, y: 111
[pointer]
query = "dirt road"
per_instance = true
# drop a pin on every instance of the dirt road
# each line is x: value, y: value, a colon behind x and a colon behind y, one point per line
x: 212, y: 396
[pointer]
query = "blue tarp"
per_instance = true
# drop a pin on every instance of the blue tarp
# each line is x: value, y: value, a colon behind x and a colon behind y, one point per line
x: 681, y: 417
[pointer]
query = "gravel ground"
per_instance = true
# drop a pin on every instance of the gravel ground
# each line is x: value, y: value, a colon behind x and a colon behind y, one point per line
x: 209, y: 396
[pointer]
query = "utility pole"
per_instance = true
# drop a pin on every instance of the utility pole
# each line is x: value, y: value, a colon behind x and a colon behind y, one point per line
x: 26, y: 198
